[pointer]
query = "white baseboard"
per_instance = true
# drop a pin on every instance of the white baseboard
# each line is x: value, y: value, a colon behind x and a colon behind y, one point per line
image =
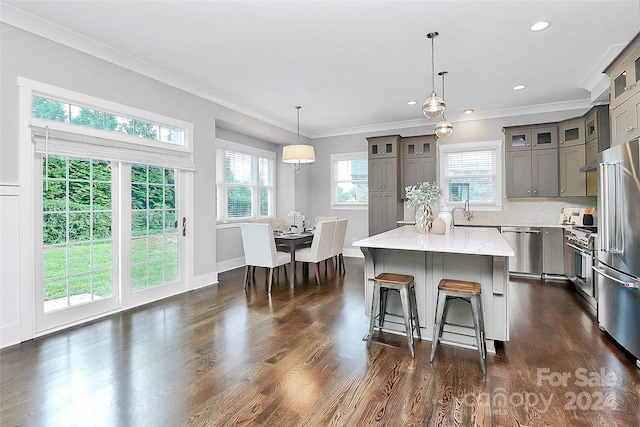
x: 10, y: 335
x: 230, y: 264
x: 353, y: 253
x: 204, y: 280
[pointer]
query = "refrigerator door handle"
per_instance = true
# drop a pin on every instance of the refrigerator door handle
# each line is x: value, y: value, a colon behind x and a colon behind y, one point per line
x: 609, y: 183
x: 635, y: 285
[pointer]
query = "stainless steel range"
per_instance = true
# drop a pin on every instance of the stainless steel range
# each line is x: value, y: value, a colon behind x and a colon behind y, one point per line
x: 579, y: 257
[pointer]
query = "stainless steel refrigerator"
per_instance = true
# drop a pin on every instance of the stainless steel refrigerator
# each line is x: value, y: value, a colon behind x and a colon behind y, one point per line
x: 618, y: 268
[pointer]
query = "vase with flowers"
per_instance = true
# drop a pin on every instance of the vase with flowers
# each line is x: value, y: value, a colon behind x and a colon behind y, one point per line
x: 421, y: 197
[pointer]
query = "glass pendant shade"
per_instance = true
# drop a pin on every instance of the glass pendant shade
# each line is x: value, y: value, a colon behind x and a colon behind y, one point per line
x: 298, y: 153
x: 444, y: 129
x: 433, y: 106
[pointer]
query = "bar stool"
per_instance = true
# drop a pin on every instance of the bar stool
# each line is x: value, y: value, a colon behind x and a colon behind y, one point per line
x: 469, y: 291
x: 405, y: 285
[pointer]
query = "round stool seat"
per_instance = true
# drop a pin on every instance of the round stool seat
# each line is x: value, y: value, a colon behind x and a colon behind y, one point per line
x: 460, y: 286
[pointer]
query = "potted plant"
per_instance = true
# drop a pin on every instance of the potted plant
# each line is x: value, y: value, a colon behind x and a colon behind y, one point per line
x: 421, y: 197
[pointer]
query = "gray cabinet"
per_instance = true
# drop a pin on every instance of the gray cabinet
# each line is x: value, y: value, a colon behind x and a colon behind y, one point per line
x: 383, y: 212
x: 418, y: 146
x: 625, y: 121
x: 597, y: 126
x: 384, y: 182
x: 419, y: 162
x: 417, y: 170
x: 572, y: 181
x: 383, y: 146
x: 572, y: 132
x: 383, y: 175
x: 552, y: 250
x: 535, y: 137
x: 624, y: 75
x: 532, y: 173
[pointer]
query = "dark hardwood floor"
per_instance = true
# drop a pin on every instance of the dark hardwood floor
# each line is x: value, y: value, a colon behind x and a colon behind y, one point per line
x: 220, y: 356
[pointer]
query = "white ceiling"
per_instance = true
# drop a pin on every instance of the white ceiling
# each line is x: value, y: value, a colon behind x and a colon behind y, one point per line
x: 352, y: 65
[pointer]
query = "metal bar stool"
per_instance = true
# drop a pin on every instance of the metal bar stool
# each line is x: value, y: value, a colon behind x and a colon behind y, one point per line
x: 405, y: 285
x: 469, y: 291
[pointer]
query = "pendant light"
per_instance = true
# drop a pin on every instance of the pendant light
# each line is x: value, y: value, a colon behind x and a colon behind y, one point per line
x: 434, y: 105
x: 296, y: 154
x: 443, y: 128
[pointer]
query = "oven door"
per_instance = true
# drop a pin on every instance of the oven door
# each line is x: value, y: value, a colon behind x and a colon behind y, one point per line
x: 580, y: 271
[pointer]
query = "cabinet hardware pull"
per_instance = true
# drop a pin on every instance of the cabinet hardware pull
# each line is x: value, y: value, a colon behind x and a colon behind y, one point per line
x: 629, y: 129
x: 184, y: 226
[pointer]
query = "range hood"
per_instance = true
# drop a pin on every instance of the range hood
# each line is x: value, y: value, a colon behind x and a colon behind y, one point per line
x: 590, y: 167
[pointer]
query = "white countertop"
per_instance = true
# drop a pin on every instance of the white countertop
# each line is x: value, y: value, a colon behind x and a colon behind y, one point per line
x: 461, y: 240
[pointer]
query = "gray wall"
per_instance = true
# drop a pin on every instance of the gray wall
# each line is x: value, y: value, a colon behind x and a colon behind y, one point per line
x: 33, y: 57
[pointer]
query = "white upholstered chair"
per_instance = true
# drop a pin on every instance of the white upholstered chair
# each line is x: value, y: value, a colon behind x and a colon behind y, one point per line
x: 260, y: 250
x: 325, y: 218
x: 320, y: 248
x: 338, y: 243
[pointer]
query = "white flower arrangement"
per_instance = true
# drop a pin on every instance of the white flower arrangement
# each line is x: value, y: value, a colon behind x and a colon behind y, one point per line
x: 427, y: 193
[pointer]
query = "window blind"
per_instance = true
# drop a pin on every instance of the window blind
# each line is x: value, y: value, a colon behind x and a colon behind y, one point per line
x: 470, y: 175
x: 59, y: 141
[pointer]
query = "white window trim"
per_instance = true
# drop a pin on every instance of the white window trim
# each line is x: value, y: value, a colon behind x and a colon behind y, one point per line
x: 43, y: 89
x: 334, y: 205
x: 31, y: 169
x: 495, y: 146
x: 254, y: 151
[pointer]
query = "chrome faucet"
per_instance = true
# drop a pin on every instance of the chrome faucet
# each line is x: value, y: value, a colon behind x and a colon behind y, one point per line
x: 465, y: 212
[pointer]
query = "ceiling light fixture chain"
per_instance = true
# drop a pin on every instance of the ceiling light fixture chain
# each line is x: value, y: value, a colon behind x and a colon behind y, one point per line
x: 433, y: 106
x: 443, y: 128
x: 296, y: 154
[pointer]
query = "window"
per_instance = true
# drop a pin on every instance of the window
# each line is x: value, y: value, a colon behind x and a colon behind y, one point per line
x: 349, y: 180
x: 471, y: 171
x: 106, y: 203
x: 77, y: 244
x: 245, y: 182
x: 66, y: 112
x: 154, y: 227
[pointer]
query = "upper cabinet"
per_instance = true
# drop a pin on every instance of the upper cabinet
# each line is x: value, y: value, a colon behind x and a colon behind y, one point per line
x: 572, y: 132
x: 383, y: 146
x: 624, y: 75
x: 418, y: 146
x: 597, y: 126
x: 536, y: 137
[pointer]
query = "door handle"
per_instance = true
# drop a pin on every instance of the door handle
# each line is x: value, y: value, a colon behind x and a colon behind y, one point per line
x: 184, y: 226
x: 634, y: 285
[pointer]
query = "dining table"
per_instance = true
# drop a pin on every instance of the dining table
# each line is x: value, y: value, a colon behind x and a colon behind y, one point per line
x: 292, y: 240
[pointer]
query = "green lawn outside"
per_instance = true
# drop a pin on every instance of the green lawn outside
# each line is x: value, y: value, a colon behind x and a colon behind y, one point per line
x: 154, y: 262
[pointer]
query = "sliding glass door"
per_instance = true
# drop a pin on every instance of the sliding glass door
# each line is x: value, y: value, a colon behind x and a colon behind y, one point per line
x: 111, y: 238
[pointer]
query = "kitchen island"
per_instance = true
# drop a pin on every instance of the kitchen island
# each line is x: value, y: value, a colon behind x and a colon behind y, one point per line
x: 466, y: 253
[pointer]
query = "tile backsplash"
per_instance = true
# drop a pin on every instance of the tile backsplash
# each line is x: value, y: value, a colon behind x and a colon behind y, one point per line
x: 542, y: 211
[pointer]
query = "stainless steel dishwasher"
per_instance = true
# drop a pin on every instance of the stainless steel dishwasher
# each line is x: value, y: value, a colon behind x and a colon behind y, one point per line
x: 526, y: 242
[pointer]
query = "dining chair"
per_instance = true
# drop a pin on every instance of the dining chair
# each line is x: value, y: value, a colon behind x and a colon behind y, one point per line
x: 325, y: 218
x: 260, y: 250
x: 320, y: 248
x: 338, y: 243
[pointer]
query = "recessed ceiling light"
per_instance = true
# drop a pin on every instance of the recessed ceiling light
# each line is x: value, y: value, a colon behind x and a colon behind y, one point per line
x: 411, y: 102
x: 519, y: 87
x: 539, y: 26
x: 468, y: 111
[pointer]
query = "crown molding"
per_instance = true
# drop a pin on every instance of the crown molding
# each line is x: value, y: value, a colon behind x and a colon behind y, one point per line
x: 582, y: 104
